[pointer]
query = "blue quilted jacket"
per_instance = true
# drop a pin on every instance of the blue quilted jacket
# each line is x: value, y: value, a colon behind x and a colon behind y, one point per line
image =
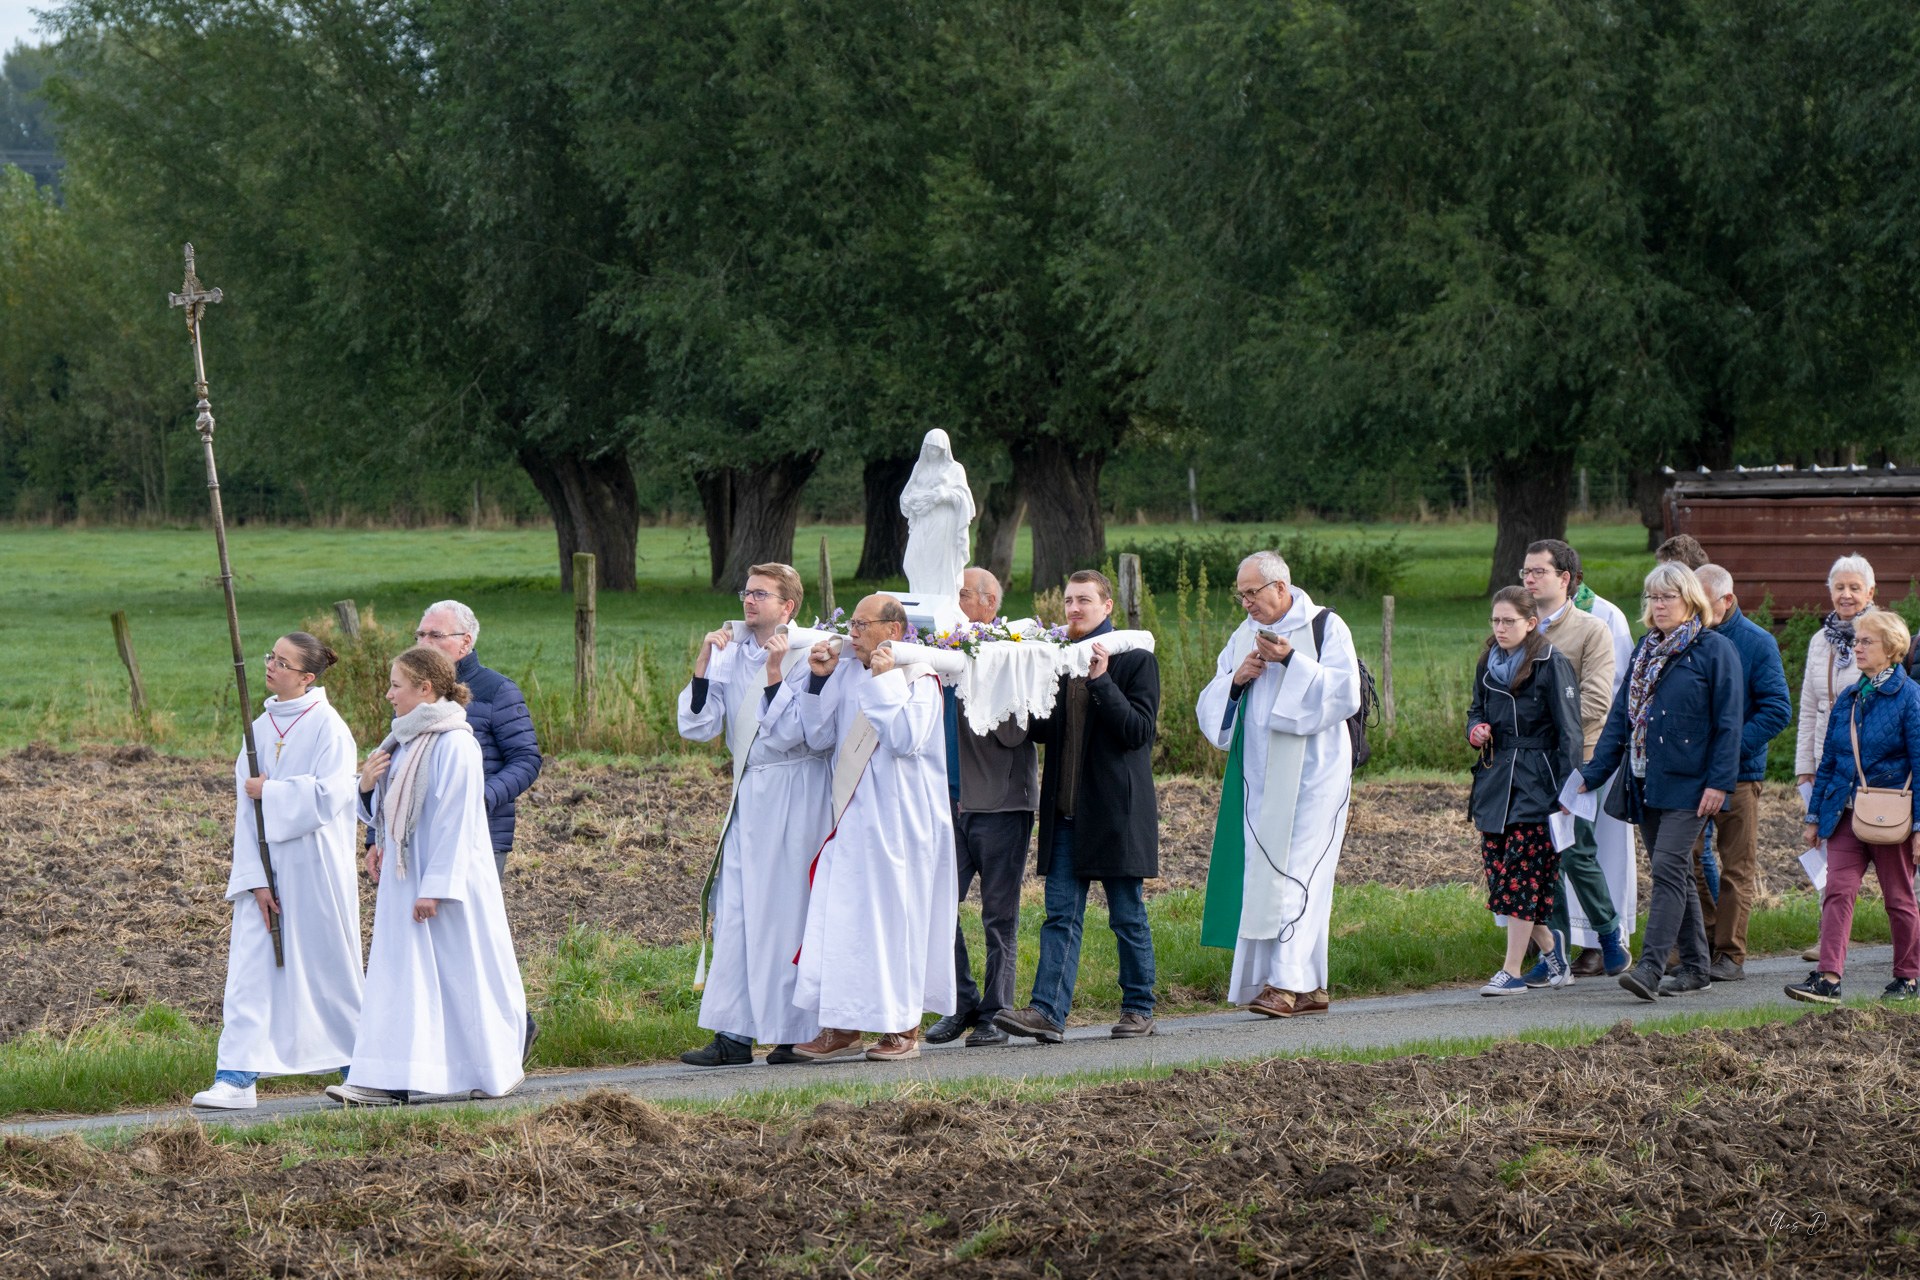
x: 508, y: 748
x: 1889, y: 745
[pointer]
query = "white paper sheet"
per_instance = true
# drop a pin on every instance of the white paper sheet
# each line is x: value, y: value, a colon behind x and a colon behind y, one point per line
x: 1814, y: 861
x: 1806, y: 795
x: 1560, y: 827
x: 1582, y: 804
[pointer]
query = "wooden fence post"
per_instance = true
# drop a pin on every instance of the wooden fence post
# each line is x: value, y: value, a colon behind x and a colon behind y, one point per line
x: 347, y: 614
x: 585, y: 603
x: 123, y: 640
x: 826, y: 583
x: 1130, y: 589
x: 1386, y: 660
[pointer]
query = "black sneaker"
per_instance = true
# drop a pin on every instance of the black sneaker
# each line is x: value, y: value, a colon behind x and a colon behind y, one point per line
x: 1901, y: 989
x: 719, y: 1052
x: 1643, y: 980
x: 986, y: 1036
x: 1817, y: 989
x: 782, y: 1055
x: 1685, y: 982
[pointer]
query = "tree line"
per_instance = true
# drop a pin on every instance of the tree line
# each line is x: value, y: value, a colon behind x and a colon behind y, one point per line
x: 663, y: 252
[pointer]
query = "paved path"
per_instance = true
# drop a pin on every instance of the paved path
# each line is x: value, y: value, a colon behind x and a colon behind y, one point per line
x: 1351, y: 1024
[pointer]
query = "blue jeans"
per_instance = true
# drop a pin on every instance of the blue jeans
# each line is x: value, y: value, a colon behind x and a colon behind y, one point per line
x: 1060, y: 935
x: 245, y: 1079
x: 1709, y: 864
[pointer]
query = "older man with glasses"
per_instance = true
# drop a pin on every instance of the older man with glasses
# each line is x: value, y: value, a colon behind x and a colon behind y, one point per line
x: 509, y: 751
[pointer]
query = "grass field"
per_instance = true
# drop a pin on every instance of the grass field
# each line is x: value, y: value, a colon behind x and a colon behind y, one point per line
x: 65, y: 683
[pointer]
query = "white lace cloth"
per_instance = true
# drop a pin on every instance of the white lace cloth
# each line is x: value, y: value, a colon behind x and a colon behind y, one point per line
x: 1018, y: 678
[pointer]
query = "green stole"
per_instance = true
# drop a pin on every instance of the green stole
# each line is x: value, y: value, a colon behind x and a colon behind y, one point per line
x: 1227, y: 865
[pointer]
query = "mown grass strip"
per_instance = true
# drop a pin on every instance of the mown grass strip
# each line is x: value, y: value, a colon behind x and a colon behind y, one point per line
x: 604, y: 1000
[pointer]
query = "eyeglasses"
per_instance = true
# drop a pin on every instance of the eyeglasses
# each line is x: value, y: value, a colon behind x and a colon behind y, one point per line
x: 1659, y: 599
x: 1246, y: 596
x: 1527, y: 575
x: 277, y: 663
x: 439, y: 635
x: 858, y: 626
x: 757, y: 595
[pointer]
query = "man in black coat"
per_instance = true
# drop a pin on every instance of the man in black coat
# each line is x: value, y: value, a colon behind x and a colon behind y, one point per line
x: 1099, y: 820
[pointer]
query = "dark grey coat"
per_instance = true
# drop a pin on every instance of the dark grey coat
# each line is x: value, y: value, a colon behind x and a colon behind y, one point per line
x: 1116, y: 816
x: 1536, y: 743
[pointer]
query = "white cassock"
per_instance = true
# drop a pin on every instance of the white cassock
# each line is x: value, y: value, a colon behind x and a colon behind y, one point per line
x: 300, y: 1019
x: 879, y: 937
x: 781, y: 810
x: 1297, y: 779
x: 444, y: 1010
x: 1612, y: 838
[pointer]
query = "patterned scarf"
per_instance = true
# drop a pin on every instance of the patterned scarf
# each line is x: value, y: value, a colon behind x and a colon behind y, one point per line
x: 406, y: 786
x: 1840, y: 635
x: 1648, y: 662
x: 1871, y: 685
x: 1583, y: 598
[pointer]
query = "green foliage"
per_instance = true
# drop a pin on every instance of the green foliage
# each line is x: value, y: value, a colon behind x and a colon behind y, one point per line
x: 1325, y: 569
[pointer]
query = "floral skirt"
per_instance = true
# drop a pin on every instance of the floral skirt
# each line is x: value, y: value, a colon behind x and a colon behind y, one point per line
x: 1523, y: 871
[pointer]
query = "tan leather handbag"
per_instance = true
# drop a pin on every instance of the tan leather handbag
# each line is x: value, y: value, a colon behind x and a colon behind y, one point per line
x: 1881, y: 815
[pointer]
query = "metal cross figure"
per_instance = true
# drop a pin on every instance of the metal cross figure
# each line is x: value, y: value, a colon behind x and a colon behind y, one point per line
x: 195, y: 299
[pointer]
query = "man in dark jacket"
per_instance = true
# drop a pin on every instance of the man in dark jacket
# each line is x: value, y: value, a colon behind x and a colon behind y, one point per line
x: 497, y: 715
x: 1736, y: 827
x: 1099, y: 820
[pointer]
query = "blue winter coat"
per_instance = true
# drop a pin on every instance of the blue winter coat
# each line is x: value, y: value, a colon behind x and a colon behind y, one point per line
x: 1693, y: 729
x: 1889, y: 744
x: 509, y: 751
x: 1769, y: 710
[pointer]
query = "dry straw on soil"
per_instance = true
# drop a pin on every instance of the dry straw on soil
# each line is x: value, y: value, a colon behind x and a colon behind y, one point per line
x: 1782, y: 1151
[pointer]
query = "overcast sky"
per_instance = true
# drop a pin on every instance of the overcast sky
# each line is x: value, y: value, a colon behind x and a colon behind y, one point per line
x: 16, y: 21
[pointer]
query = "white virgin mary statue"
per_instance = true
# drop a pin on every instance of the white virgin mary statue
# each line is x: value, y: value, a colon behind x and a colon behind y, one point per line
x: 939, y: 508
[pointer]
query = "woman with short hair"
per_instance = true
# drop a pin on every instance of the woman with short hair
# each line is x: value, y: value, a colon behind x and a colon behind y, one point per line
x: 1676, y: 724
x: 1873, y: 740
x: 1831, y: 669
x: 299, y: 1017
x: 1525, y: 719
x: 444, y: 1015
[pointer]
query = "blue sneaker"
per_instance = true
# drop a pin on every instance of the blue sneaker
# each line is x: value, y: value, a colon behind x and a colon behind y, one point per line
x: 1503, y: 983
x: 1541, y: 975
x: 1559, y: 968
x: 1614, y: 953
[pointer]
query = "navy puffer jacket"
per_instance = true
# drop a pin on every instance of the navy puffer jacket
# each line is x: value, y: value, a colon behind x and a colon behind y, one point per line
x: 508, y: 749
x: 1889, y: 746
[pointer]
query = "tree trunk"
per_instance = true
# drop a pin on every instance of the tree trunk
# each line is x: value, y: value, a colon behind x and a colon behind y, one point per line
x: 595, y: 508
x: 1062, y: 487
x: 999, y: 529
x: 1712, y: 448
x: 883, y: 552
x: 1532, y: 491
x: 751, y: 513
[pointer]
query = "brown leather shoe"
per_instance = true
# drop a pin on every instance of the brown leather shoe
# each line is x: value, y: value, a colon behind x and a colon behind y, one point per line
x: 1589, y: 963
x: 1132, y: 1025
x: 1306, y: 1002
x: 896, y: 1046
x: 1272, y: 1002
x: 831, y: 1044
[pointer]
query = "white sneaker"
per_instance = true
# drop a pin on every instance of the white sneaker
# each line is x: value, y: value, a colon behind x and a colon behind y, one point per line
x: 226, y: 1097
x: 353, y: 1095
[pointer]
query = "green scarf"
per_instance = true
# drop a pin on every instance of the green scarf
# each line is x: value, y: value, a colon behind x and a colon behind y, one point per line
x: 1583, y: 598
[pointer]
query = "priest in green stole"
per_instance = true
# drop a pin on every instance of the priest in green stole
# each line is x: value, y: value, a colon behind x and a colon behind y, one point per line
x: 1278, y: 705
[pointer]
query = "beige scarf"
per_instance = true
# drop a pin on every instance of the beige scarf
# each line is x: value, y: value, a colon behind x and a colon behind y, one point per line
x: 406, y: 792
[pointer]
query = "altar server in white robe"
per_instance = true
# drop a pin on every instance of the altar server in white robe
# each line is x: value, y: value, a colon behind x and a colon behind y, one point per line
x: 444, y: 1015
x: 1279, y: 706
x: 748, y: 688
x: 300, y: 1018
x: 879, y: 939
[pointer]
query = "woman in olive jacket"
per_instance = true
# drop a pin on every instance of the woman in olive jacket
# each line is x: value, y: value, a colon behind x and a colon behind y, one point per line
x: 1525, y: 718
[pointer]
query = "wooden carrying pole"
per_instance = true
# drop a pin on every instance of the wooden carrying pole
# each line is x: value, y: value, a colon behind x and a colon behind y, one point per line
x: 123, y: 641
x: 585, y: 603
x: 195, y: 300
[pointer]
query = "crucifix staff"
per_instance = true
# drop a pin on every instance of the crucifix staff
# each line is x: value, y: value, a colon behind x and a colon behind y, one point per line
x: 194, y: 299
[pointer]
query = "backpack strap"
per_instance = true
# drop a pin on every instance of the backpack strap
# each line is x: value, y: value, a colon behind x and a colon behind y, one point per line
x: 1319, y: 628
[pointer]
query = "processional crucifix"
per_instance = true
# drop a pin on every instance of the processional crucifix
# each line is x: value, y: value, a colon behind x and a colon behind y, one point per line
x: 195, y: 300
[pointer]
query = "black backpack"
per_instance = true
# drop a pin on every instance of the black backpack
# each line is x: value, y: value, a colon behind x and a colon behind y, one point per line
x: 1369, y: 696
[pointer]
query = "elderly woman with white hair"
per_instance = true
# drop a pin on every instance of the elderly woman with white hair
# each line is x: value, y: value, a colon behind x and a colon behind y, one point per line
x: 1677, y: 727
x: 1830, y: 666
